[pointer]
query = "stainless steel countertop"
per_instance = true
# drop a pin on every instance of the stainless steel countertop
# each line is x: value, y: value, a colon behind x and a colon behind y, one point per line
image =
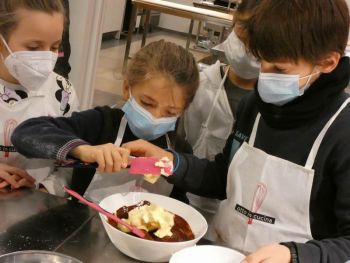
x: 31, y: 220
x: 96, y: 245
x: 34, y: 220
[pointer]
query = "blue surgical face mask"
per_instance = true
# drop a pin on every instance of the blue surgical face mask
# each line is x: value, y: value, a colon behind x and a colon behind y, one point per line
x: 280, y: 89
x: 143, y: 124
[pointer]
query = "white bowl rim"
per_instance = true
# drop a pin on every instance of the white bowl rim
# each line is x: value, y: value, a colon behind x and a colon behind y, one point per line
x: 40, y: 252
x: 103, y: 217
x: 196, y: 247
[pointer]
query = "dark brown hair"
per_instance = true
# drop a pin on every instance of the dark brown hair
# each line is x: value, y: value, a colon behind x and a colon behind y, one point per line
x: 8, y: 9
x: 242, y: 14
x: 245, y: 7
x: 298, y: 29
x: 169, y: 60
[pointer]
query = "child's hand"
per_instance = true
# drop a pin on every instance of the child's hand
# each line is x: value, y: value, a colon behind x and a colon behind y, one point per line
x: 109, y: 157
x: 144, y: 148
x: 14, y: 177
x: 270, y: 254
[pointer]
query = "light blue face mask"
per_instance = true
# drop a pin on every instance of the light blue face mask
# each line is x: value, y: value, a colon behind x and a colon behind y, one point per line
x: 142, y: 123
x: 280, y: 89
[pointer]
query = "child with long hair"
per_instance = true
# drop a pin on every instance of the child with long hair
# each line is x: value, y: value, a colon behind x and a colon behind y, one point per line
x: 30, y: 35
x: 160, y: 82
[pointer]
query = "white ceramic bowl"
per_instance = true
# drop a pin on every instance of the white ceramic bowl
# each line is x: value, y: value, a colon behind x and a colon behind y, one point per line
x: 147, y: 250
x: 207, y: 254
x: 38, y: 256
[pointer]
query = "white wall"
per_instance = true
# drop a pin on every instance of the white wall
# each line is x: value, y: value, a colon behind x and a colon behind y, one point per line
x: 113, y: 15
x: 177, y: 23
x: 85, y: 37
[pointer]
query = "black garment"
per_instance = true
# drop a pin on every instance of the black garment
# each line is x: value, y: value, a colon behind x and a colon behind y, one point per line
x: 233, y: 92
x: 288, y: 132
x: 81, y: 178
x: 54, y: 138
x: 62, y: 66
x: 127, y: 15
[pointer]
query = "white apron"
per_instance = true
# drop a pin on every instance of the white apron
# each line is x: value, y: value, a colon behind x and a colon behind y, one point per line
x: 103, y: 185
x: 268, y: 197
x: 209, y: 143
x: 207, y: 128
x: 12, y: 116
x: 55, y: 98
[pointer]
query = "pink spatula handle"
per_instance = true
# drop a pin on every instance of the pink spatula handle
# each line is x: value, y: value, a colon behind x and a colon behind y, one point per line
x: 98, y: 208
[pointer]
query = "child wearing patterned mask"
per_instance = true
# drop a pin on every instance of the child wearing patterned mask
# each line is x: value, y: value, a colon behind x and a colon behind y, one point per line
x: 160, y: 82
x: 209, y: 119
x: 207, y: 128
x: 30, y: 34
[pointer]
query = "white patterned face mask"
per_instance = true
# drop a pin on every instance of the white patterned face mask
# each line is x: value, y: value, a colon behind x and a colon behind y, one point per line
x: 30, y: 68
x: 244, y: 65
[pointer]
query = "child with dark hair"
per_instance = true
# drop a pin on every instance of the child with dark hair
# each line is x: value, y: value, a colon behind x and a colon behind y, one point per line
x: 62, y: 66
x: 284, y: 173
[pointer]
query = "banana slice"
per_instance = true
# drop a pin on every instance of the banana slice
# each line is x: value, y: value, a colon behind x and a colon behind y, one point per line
x: 166, y: 169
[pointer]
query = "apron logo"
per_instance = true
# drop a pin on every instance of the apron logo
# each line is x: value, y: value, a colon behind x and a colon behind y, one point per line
x: 254, y: 216
x: 10, y: 125
x: 7, y: 150
x: 259, y: 197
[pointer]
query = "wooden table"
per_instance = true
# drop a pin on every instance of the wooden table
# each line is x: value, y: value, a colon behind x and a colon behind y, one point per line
x: 190, y: 12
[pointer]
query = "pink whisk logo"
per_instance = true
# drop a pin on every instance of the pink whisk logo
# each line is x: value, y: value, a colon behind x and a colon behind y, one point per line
x: 9, y: 127
x: 258, y: 199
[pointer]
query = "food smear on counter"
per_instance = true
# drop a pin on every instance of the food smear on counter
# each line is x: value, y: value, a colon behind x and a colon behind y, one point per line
x: 157, y: 223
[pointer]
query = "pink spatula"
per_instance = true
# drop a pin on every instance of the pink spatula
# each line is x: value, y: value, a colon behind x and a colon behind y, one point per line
x: 151, y: 165
x: 98, y: 208
x: 138, y: 165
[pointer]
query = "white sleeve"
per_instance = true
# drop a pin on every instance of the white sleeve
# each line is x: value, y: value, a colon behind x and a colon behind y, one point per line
x: 55, y: 182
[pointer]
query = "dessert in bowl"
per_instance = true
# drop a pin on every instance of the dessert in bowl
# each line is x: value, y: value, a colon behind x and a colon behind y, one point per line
x: 163, y: 244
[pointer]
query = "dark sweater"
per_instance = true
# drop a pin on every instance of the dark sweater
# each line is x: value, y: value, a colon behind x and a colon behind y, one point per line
x: 54, y: 138
x: 288, y: 132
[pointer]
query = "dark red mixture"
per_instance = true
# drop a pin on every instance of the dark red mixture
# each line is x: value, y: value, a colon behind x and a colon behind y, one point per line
x: 181, y: 229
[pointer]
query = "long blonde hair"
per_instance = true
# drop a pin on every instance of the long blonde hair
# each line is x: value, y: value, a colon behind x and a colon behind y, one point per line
x: 8, y: 11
